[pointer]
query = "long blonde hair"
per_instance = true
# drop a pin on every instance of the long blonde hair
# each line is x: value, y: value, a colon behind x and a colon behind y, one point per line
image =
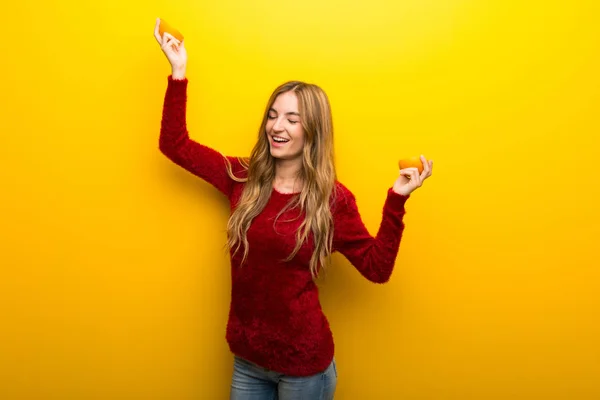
x: 317, y: 172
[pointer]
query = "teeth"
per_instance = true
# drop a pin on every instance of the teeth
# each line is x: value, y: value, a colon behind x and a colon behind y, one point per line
x: 280, y: 140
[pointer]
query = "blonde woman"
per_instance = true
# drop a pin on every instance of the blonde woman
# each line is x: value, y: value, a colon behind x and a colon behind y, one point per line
x: 289, y: 213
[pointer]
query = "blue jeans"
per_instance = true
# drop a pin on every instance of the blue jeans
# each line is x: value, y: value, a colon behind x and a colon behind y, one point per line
x: 252, y: 382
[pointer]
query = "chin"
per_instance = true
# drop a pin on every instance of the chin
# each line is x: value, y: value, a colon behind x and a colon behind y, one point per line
x: 278, y: 154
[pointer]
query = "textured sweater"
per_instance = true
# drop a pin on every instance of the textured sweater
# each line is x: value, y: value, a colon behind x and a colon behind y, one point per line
x: 275, y: 317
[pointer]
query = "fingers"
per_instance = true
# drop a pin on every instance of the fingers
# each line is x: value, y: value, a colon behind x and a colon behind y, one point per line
x: 170, y: 46
x: 170, y: 41
x: 156, y: 33
x: 412, y: 173
x: 410, y: 178
x: 427, y: 168
x: 167, y: 39
x: 425, y: 163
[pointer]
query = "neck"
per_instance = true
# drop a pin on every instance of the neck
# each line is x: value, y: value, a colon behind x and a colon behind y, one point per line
x: 287, y: 175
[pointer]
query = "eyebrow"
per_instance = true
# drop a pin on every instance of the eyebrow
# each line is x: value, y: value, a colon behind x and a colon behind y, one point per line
x: 287, y: 113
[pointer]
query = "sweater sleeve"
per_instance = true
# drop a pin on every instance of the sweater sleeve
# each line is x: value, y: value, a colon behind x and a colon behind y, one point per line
x: 176, y: 145
x: 373, y: 257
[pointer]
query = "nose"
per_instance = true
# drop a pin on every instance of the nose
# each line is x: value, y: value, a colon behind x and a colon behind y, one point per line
x: 278, y: 126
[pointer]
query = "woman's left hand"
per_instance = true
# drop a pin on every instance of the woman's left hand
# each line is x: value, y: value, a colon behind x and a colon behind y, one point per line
x: 410, y: 179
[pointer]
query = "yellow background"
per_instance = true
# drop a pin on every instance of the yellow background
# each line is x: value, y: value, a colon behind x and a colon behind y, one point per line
x: 114, y: 281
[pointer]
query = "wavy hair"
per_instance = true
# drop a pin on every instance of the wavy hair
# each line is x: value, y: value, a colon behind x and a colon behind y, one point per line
x: 317, y: 172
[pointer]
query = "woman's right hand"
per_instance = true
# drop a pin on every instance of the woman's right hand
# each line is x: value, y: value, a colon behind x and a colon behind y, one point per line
x: 174, y: 50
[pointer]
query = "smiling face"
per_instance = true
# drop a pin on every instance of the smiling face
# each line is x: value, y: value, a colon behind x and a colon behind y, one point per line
x: 284, y: 128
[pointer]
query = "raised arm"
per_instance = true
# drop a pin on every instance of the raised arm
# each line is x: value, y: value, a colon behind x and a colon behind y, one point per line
x: 373, y: 257
x: 174, y: 140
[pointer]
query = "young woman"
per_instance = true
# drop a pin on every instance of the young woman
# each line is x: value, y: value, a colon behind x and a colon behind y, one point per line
x: 289, y: 213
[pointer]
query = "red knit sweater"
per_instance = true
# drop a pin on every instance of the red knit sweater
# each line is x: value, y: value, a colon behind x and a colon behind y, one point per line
x: 275, y: 318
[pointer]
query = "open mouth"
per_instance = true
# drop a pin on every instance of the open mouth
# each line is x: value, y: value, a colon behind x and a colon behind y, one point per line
x: 278, y: 140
